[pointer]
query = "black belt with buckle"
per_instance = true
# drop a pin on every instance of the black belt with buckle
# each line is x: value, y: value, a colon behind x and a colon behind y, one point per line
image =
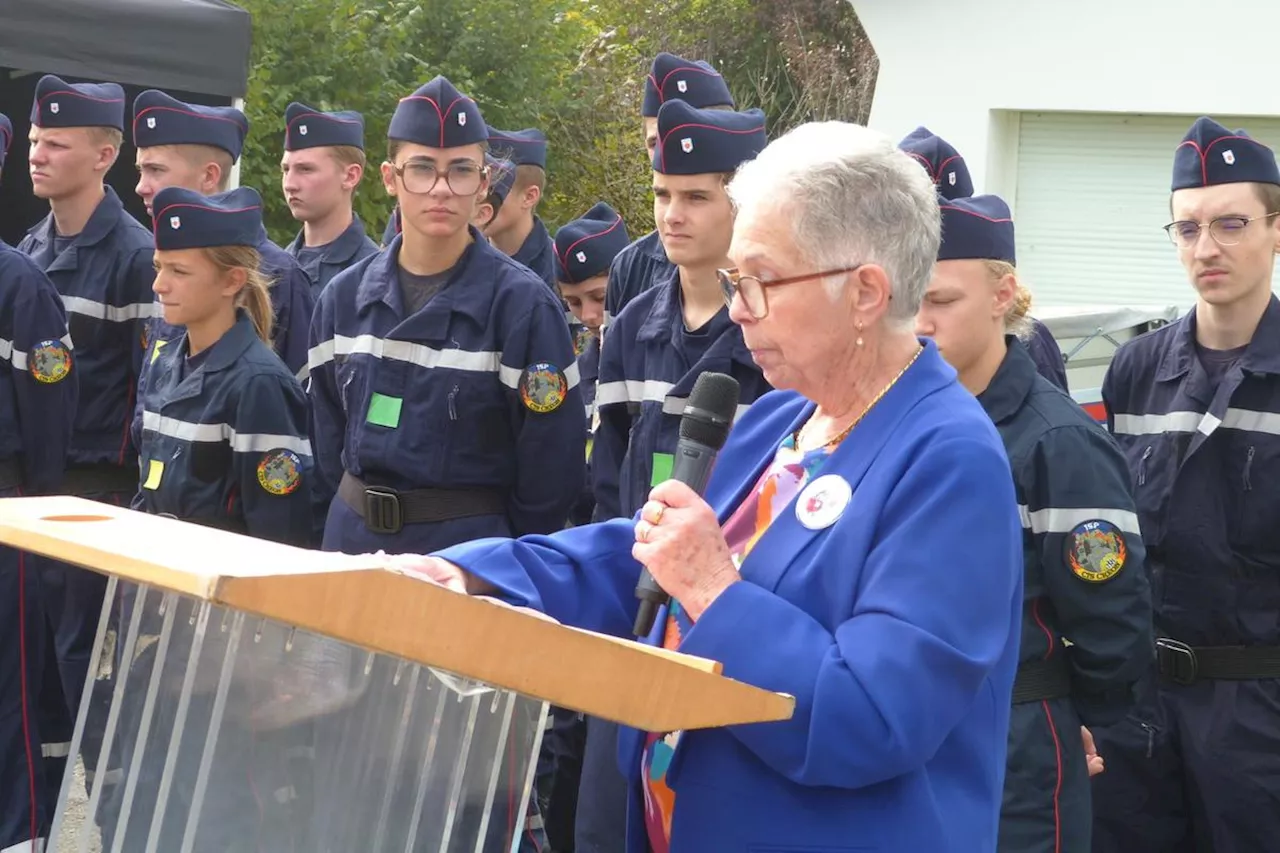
x: 1041, y: 679
x: 386, y: 510
x: 102, y: 478
x: 1183, y: 664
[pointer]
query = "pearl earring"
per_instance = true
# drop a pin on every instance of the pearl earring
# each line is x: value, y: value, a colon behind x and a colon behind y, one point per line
x: 858, y: 326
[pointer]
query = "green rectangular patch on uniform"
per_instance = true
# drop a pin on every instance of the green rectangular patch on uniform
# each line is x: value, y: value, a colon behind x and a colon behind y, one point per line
x: 384, y: 411
x: 662, y: 464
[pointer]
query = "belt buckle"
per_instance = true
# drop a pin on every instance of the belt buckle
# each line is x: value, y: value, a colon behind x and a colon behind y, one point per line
x: 382, y: 511
x: 1177, y: 661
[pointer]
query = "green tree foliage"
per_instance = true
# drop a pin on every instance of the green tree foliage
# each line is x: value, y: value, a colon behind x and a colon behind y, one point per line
x: 574, y: 68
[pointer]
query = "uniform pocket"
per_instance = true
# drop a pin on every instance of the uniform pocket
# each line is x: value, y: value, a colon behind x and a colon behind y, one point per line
x: 477, y: 431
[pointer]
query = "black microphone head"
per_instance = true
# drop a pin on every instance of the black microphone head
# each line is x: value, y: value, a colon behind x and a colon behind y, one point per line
x: 708, y: 413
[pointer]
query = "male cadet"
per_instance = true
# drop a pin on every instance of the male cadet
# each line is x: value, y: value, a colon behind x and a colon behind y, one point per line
x: 951, y: 176
x: 100, y: 260
x: 517, y: 230
x: 37, y: 408
x: 1195, y: 407
x: 322, y: 166
x: 639, y: 266
x: 194, y: 147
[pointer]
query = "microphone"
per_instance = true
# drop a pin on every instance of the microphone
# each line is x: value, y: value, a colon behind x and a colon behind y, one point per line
x: 704, y: 426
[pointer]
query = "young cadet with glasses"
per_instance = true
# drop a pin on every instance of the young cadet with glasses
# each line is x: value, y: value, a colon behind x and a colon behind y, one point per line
x: 1084, y: 578
x: 194, y: 147
x: 323, y: 163
x: 446, y: 400
x: 1194, y: 406
x: 652, y: 355
x: 37, y: 409
x: 671, y: 78
x: 99, y: 259
x: 950, y: 175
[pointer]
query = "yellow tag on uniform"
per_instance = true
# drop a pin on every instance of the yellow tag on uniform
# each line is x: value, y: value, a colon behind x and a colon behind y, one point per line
x: 155, y: 352
x: 155, y: 471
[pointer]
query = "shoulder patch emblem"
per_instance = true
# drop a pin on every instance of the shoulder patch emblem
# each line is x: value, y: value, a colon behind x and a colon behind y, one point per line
x: 280, y: 471
x: 542, y: 387
x: 1096, y: 550
x: 49, y: 362
x: 582, y: 341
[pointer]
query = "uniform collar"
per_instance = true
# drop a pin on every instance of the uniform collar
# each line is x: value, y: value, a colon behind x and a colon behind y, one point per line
x: 1262, y: 355
x: 589, y: 362
x: 342, y: 249
x: 535, y: 245
x: 1011, y: 385
x: 478, y: 265
x: 651, y: 245
x: 228, y: 348
x: 666, y: 320
x: 101, y: 221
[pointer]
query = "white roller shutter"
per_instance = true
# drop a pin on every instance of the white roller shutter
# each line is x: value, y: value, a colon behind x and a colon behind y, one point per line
x: 1092, y: 196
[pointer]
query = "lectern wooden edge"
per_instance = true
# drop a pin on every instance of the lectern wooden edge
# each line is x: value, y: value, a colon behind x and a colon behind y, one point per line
x: 359, y: 600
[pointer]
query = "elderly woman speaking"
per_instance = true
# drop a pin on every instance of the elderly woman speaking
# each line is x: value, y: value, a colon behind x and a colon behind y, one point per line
x: 858, y: 548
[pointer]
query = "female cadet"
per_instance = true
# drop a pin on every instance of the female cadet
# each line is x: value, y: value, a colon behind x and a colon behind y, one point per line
x: 224, y: 422
x: 1084, y: 579
x: 37, y: 409
x: 585, y: 248
x: 950, y: 175
x: 444, y: 388
x: 658, y: 346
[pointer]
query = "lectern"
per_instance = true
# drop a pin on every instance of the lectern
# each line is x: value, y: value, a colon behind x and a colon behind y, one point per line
x: 250, y: 696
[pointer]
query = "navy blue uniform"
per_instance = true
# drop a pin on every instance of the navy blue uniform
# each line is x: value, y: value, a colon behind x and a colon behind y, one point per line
x: 448, y: 399
x: 1047, y: 355
x: 38, y: 383
x: 1084, y: 582
x: 393, y: 227
x: 588, y: 374
x: 1196, y: 767
x: 351, y: 246
x: 636, y: 269
x: 291, y: 302
x: 224, y: 443
x: 104, y: 277
x: 648, y: 365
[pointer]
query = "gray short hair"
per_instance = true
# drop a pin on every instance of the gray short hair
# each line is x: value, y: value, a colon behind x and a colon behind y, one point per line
x: 851, y: 197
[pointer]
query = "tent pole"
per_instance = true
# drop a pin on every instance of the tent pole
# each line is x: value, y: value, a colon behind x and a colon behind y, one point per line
x: 238, y: 103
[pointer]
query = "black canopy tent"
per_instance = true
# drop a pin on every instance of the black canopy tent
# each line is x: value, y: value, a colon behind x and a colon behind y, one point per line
x: 197, y: 50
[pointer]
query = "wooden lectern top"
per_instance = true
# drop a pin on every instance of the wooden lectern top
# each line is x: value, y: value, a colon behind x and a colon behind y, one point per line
x: 358, y: 600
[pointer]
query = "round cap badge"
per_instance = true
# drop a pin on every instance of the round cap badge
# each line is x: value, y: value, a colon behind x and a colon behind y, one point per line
x: 280, y: 471
x: 823, y: 501
x: 49, y: 362
x: 543, y: 387
x: 1096, y: 550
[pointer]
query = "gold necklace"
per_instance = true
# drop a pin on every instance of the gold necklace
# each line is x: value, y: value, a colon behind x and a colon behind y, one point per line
x: 844, y: 433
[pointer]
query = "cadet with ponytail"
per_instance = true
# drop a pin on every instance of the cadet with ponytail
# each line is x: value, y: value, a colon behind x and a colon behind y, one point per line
x: 223, y: 422
x: 1083, y: 555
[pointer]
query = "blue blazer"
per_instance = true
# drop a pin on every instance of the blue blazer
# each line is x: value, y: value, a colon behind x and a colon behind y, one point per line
x: 896, y: 629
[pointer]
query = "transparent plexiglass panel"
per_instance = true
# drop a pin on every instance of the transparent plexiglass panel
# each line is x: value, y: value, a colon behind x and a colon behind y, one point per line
x: 207, y: 730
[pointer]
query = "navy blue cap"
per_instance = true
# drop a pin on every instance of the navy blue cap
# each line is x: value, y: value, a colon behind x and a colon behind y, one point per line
x: 6, y: 136
x: 977, y: 228
x: 188, y: 220
x: 307, y: 127
x: 943, y: 163
x: 159, y: 119
x: 502, y: 175
x: 1210, y: 155
x: 587, y: 246
x: 438, y: 116
x: 522, y: 147
x: 696, y: 142
x: 674, y: 78
x: 61, y: 104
